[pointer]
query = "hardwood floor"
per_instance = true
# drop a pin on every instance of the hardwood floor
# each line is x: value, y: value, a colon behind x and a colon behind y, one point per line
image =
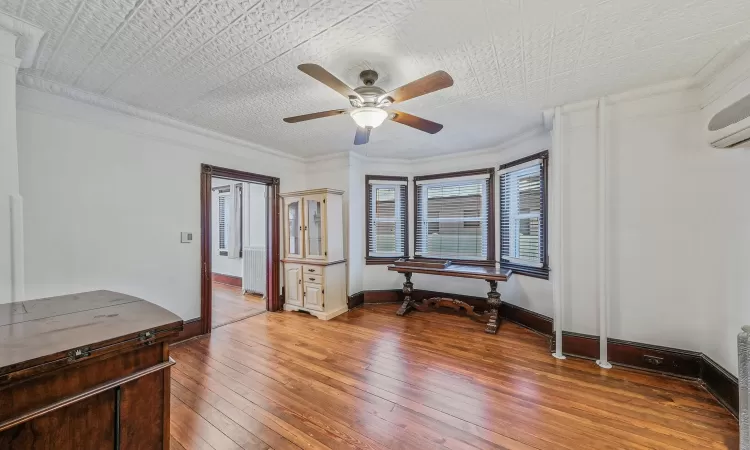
x: 369, y: 379
x: 229, y: 304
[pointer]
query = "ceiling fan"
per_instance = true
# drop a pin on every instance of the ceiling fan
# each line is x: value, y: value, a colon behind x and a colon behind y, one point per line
x: 368, y: 101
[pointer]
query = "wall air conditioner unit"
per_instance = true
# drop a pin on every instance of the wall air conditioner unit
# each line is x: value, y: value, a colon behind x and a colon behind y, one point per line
x: 729, y: 127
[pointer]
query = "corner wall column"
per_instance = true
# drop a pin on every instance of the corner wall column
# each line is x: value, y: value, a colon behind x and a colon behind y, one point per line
x: 11, y: 213
x: 603, y: 272
x: 557, y: 273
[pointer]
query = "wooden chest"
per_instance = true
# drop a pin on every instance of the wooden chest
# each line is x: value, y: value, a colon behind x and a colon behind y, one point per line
x: 85, y: 371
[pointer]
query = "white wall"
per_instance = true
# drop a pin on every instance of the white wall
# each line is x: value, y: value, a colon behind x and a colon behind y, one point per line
x: 679, y: 246
x: 254, y: 234
x: 107, y: 196
x: 222, y: 264
x: 8, y: 160
x: 726, y: 189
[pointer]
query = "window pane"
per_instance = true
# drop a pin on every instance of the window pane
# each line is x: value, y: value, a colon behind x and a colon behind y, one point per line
x: 529, y: 191
x: 387, y: 226
x: 522, y: 221
x: 528, y: 239
x: 453, y: 220
x: 385, y: 237
x: 385, y: 203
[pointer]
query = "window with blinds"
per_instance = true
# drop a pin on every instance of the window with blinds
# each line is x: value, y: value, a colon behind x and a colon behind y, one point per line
x: 224, y: 197
x: 523, y: 214
x: 453, y: 216
x: 386, y: 218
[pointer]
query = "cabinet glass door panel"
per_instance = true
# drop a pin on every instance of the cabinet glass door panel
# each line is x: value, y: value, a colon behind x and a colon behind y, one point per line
x: 294, y: 227
x: 314, y: 227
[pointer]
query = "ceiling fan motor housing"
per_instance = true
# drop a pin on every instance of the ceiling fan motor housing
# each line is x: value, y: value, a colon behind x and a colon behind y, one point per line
x: 368, y: 77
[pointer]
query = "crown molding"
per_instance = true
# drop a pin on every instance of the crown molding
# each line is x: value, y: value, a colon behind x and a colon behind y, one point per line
x: 28, y: 35
x: 380, y: 160
x: 526, y: 134
x: 38, y: 83
x: 679, y: 84
x: 530, y: 133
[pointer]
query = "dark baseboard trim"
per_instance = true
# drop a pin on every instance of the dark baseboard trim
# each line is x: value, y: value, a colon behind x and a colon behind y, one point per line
x: 681, y: 363
x: 226, y: 279
x: 527, y: 319
x: 191, y: 328
x: 355, y: 300
x: 721, y: 384
x: 664, y: 360
x: 652, y: 358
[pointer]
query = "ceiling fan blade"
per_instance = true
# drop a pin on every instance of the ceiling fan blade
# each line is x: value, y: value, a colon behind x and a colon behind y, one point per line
x: 362, y: 136
x: 328, y: 79
x: 317, y: 115
x: 425, y: 85
x: 416, y: 122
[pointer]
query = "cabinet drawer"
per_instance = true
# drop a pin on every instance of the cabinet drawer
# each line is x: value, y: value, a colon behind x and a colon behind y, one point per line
x: 317, y: 279
x: 312, y: 270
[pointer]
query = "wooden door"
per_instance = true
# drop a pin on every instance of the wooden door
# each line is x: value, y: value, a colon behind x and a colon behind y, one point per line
x: 314, y: 227
x: 293, y: 284
x: 293, y: 220
x: 314, y: 296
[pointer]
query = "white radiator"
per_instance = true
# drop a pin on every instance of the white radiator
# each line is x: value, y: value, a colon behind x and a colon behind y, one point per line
x: 254, y: 270
x: 743, y: 345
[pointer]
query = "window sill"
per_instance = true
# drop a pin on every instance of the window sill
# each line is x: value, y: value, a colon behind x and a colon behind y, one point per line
x: 534, y: 272
x: 381, y: 260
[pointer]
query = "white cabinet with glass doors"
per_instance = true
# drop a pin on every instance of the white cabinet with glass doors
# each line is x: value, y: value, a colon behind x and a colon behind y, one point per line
x: 314, y: 264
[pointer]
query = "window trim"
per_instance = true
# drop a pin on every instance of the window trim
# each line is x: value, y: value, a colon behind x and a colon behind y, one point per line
x: 522, y: 269
x: 490, y: 261
x: 382, y: 260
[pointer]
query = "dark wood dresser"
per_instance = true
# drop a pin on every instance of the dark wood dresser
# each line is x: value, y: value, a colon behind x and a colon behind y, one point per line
x: 85, y: 371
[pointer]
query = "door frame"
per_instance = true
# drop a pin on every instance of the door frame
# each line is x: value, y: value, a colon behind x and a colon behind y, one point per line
x: 274, y: 302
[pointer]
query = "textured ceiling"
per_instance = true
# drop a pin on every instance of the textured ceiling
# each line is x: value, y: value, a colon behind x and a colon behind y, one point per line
x: 230, y: 65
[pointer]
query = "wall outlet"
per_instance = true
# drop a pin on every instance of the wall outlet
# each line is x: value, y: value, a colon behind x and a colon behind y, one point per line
x: 186, y: 237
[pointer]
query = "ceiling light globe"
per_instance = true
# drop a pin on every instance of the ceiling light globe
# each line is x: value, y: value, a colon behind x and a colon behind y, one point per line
x: 369, y: 116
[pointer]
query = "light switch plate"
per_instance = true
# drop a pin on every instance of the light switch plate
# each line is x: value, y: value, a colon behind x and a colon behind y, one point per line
x: 186, y: 237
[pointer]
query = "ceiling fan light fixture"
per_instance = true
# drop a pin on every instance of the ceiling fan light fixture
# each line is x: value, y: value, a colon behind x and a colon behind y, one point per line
x: 369, y: 116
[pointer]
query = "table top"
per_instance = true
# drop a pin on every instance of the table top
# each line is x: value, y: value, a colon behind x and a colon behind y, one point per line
x: 459, y: 271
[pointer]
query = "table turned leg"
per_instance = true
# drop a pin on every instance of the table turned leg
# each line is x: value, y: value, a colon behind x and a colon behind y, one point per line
x: 408, y: 289
x: 493, y: 303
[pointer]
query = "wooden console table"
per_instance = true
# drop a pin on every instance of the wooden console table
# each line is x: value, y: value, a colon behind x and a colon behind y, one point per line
x: 489, y: 274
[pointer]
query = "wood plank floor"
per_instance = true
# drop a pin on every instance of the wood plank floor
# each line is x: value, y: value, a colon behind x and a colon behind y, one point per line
x: 371, y: 380
x: 229, y: 304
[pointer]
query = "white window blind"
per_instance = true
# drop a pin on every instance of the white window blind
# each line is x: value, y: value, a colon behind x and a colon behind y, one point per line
x: 522, y: 212
x: 223, y: 199
x: 386, y: 203
x: 453, y: 219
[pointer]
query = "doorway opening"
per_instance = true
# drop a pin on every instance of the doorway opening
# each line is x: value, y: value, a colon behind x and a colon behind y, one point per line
x: 239, y: 246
